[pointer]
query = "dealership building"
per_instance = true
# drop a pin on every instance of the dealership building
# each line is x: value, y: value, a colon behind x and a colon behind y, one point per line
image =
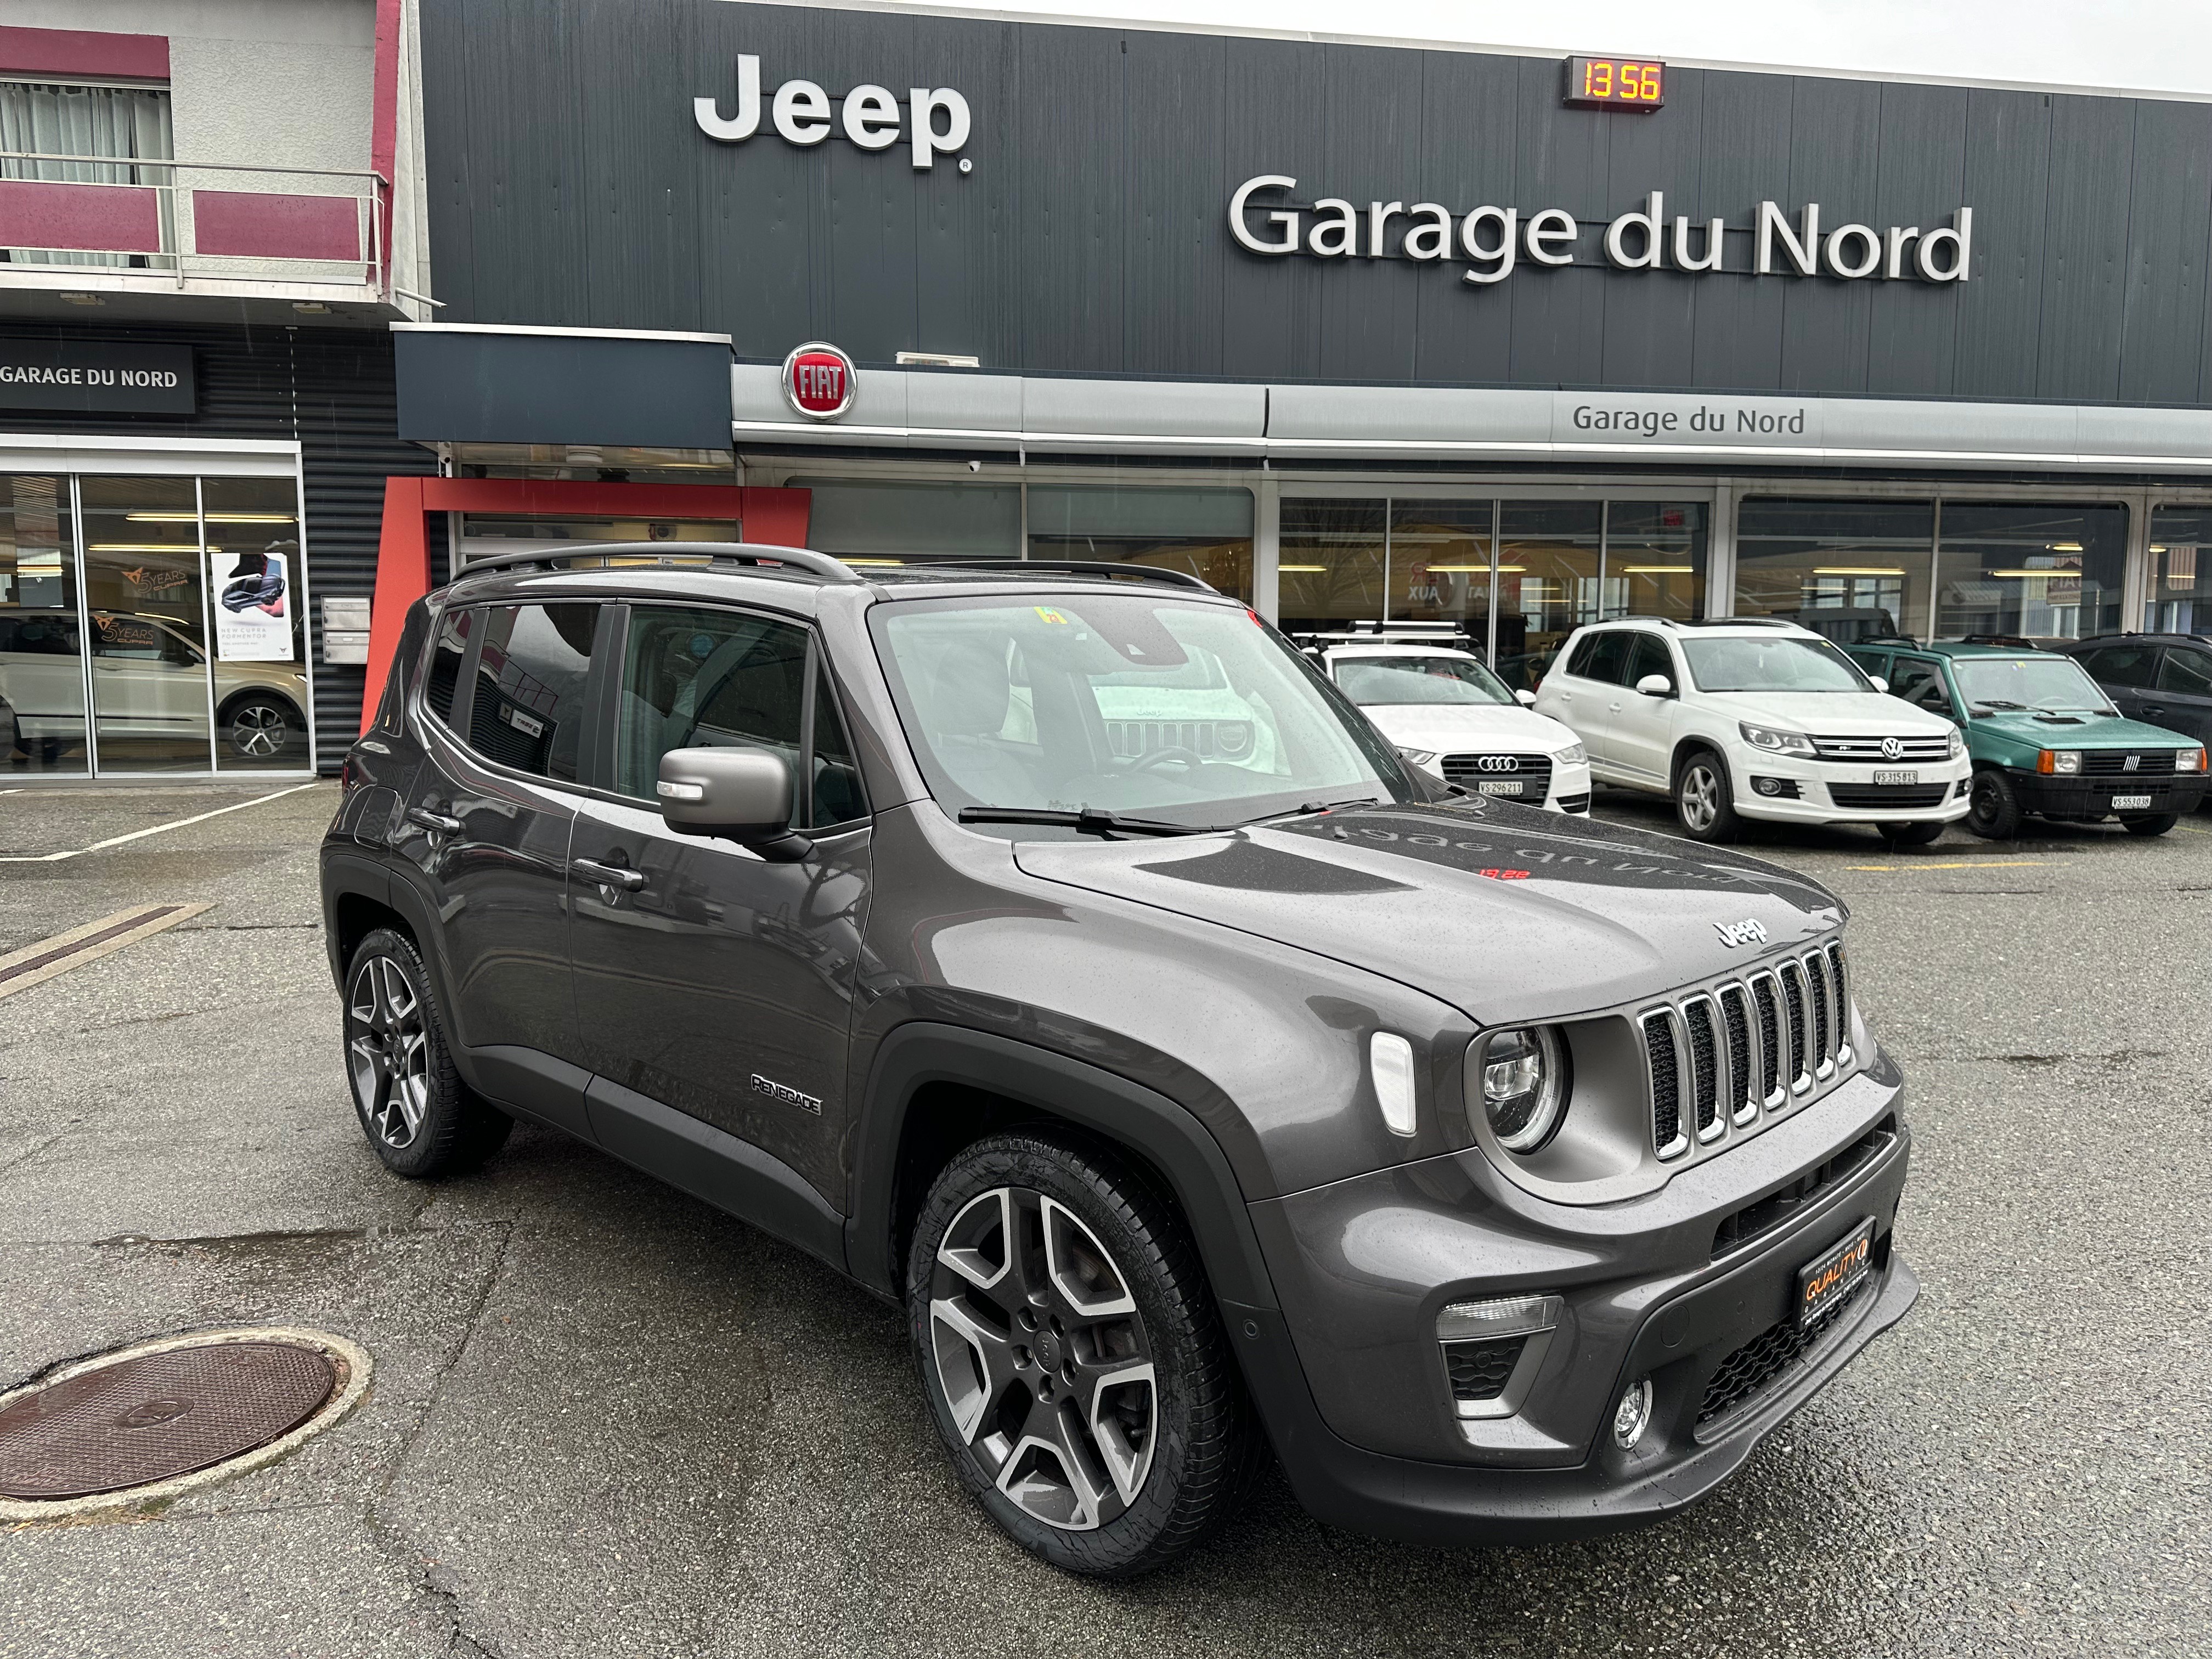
x: 1495, y: 343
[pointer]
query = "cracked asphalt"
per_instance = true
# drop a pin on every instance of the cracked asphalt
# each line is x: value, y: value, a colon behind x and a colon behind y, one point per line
x: 607, y: 1420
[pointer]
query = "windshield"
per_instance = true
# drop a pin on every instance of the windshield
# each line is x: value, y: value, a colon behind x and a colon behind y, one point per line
x: 2045, y: 682
x: 1132, y: 703
x: 1789, y: 662
x: 1373, y: 681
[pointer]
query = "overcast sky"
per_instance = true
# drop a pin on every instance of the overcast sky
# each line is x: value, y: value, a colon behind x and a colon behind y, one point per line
x: 2164, y: 45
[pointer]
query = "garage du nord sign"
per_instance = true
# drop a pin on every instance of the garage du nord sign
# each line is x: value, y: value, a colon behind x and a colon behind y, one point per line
x: 94, y: 377
x: 1493, y: 239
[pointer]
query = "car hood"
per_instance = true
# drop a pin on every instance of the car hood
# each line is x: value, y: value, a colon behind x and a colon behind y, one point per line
x: 2081, y: 732
x: 1445, y: 728
x: 1831, y: 713
x: 1504, y: 912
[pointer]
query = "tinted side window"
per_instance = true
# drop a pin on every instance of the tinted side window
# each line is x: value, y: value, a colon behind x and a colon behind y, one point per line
x: 442, y: 682
x: 2187, y: 672
x: 1585, y: 648
x: 406, y: 665
x: 1648, y: 656
x: 2119, y: 664
x: 836, y: 796
x: 706, y: 680
x: 528, y: 708
x: 1610, y: 661
x: 1919, y: 680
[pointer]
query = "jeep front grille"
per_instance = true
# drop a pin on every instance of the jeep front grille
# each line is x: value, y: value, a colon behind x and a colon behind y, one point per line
x: 1208, y: 739
x: 1718, y: 1056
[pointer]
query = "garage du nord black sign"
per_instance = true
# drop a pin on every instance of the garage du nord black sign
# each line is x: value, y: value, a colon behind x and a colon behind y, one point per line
x: 102, y: 377
x: 1264, y: 219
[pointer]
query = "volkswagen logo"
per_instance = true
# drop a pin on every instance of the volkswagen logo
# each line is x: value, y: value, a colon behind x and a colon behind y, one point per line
x: 1892, y: 749
x: 1501, y: 763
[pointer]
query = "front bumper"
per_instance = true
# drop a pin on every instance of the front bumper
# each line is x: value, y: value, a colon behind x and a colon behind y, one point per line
x: 1352, y: 1380
x: 1835, y: 792
x: 2091, y: 798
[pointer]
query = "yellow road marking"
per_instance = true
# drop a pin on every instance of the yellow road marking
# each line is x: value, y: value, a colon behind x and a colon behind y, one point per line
x: 1962, y: 864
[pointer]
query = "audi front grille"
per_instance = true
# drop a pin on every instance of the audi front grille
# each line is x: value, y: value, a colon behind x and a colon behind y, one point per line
x: 1718, y: 1057
x: 1532, y: 772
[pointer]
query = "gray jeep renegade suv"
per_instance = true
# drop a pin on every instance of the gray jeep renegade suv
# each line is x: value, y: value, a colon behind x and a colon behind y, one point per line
x: 1054, y: 950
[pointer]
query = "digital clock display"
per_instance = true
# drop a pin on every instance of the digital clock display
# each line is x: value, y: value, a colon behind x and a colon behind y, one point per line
x: 1616, y: 83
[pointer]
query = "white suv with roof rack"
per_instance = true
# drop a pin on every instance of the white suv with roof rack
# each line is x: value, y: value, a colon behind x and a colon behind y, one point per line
x: 1748, y: 718
x: 1450, y: 716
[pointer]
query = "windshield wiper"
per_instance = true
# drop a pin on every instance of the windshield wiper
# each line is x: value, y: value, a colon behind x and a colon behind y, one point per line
x: 1306, y: 808
x: 1999, y: 702
x: 1089, y: 820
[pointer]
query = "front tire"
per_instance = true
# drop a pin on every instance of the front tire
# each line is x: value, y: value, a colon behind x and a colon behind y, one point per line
x: 1704, y: 802
x: 1995, y: 812
x: 1072, y: 1358
x: 2150, y: 823
x: 1908, y: 835
x: 418, y: 1114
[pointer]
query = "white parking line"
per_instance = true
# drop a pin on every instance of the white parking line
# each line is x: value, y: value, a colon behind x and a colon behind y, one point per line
x: 152, y: 829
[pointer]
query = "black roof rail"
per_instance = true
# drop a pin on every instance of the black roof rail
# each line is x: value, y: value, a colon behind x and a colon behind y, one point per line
x: 1078, y: 567
x: 671, y: 555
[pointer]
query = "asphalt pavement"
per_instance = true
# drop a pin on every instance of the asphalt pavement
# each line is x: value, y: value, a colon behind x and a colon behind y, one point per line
x: 607, y: 1420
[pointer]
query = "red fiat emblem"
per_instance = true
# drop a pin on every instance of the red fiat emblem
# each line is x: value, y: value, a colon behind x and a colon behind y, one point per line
x: 819, y: 381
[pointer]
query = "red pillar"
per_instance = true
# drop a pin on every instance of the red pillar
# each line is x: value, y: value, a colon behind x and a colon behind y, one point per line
x: 402, y: 576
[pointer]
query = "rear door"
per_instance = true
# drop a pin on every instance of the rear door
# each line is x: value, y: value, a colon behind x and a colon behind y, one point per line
x: 708, y: 980
x: 2181, y: 698
x: 484, y: 834
x: 1640, y: 730
x: 1578, y: 695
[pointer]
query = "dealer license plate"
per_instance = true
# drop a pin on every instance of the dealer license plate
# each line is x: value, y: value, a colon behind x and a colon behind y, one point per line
x: 1498, y: 787
x: 2130, y: 802
x: 1897, y: 777
x: 1825, y: 1280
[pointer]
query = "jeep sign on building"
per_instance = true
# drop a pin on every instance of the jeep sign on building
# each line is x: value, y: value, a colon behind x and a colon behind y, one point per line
x: 1493, y: 344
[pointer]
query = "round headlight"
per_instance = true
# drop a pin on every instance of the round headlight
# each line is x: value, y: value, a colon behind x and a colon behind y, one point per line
x: 1524, y: 1086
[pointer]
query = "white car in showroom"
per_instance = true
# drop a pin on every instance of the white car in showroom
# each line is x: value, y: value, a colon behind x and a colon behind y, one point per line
x: 1748, y: 718
x: 1453, y: 718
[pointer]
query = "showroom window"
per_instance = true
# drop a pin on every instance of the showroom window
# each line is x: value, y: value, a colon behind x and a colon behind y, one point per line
x: 889, y: 522
x: 2179, y: 600
x: 41, y: 635
x: 1850, y: 569
x: 1206, y: 533
x: 2025, y: 570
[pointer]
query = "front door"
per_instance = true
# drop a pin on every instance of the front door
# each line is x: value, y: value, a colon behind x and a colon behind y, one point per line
x: 708, y: 980
x: 2182, y: 699
x: 485, y: 829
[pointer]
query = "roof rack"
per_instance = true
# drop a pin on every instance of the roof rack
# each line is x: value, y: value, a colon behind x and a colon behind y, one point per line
x: 669, y: 555
x: 2011, y: 642
x: 1101, y: 568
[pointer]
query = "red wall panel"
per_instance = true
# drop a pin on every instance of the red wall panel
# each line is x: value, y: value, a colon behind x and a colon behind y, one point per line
x: 274, y: 226
x: 84, y: 51
x: 89, y: 218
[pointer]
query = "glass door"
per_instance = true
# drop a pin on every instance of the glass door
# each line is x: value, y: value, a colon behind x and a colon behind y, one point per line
x: 41, y: 642
x: 259, y: 610
x: 146, y: 625
x: 1549, y: 569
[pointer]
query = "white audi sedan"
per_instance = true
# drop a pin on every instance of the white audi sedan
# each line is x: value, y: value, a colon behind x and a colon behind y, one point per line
x: 1449, y: 715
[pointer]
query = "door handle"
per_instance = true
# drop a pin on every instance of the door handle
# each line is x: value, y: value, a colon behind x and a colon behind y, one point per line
x: 608, y: 875
x: 442, y: 823
x: 2154, y: 709
x: 1613, y: 709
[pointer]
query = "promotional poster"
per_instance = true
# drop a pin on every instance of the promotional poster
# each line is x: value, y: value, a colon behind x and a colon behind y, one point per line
x: 252, y: 615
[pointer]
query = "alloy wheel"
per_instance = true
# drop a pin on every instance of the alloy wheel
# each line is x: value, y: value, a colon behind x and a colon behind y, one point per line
x: 259, y: 730
x: 1700, y: 796
x: 1044, y: 1362
x: 388, y: 1051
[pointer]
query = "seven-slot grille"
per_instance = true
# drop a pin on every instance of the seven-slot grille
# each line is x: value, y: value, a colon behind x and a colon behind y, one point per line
x: 1870, y: 750
x: 1720, y: 1056
x: 2113, y: 763
x: 1471, y: 771
x: 1208, y: 739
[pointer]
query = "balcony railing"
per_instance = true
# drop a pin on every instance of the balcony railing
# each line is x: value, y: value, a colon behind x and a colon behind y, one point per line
x: 193, y: 229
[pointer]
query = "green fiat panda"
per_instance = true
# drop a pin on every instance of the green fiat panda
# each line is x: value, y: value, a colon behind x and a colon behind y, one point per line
x: 2044, y: 738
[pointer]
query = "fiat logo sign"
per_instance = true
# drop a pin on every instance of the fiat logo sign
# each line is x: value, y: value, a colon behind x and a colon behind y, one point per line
x: 819, y: 381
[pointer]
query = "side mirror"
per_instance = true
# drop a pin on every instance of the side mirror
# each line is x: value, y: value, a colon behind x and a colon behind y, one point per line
x: 743, y: 795
x: 1655, y: 685
x: 1525, y: 699
x: 1878, y: 683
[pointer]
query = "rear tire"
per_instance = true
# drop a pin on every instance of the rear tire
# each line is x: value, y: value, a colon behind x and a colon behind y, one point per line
x: 423, y: 1120
x: 2150, y: 823
x: 1704, y: 800
x: 1072, y: 1358
x: 1995, y: 813
x: 1908, y: 835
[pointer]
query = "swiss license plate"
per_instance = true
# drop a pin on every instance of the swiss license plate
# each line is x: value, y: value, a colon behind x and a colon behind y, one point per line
x: 1897, y: 777
x: 2130, y: 802
x: 1498, y: 787
x: 1832, y: 1275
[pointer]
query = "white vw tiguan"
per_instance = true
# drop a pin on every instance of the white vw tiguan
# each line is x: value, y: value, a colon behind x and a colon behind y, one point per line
x: 1454, y: 718
x: 1761, y: 720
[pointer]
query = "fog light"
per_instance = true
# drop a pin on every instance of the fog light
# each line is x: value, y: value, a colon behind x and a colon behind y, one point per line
x: 1767, y: 786
x: 1632, y: 1415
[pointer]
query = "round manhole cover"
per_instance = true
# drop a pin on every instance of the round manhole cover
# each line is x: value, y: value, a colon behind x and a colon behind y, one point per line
x: 152, y: 1416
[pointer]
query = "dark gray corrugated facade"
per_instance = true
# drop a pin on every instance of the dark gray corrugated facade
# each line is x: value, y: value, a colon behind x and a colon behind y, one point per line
x: 570, y: 187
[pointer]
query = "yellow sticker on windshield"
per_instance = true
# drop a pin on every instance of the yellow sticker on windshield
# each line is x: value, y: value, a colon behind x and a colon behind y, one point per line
x: 1051, y: 615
